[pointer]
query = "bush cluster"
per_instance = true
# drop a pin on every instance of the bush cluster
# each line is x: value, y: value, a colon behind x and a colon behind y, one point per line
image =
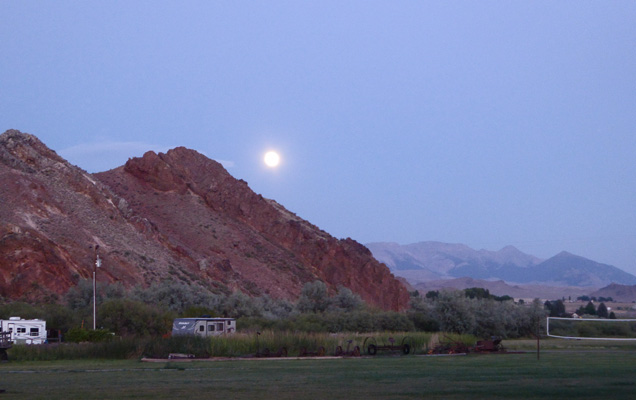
x: 149, y: 312
x: 480, y: 315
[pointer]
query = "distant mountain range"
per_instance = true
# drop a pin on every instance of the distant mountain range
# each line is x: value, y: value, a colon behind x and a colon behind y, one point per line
x: 429, y: 261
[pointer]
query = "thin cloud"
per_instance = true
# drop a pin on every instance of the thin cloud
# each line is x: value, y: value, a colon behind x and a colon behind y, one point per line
x: 103, y: 156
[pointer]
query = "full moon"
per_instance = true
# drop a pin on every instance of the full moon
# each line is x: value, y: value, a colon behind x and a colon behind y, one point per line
x: 272, y: 159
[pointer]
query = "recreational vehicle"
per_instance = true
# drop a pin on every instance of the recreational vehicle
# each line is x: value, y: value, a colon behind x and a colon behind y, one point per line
x: 203, y: 326
x: 24, y: 331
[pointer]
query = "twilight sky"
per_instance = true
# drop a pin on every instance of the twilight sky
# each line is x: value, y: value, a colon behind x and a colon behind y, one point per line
x: 488, y: 123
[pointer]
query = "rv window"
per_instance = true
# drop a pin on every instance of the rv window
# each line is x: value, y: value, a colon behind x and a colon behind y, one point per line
x: 219, y: 326
x: 35, y: 331
x: 211, y: 327
x: 201, y: 328
x: 21, y: 330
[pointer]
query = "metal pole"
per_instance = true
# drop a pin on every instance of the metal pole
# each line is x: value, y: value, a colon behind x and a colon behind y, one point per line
x: 538, y: 338
x: 94, y: 299
x: 97, y: 264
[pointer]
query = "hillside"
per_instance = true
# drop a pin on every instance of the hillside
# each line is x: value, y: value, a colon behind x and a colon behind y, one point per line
x: 500, y: 288
x: 174, y: 216
x: 427, y: 261
x: 625, y: 293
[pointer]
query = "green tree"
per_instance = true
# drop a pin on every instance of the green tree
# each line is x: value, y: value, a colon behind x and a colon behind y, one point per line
x: 20, y: 309
x: 602, y: 311
x: 556, y: 308
x: 275, y: 308
x: 238, y: 305
x: 453, y: 312
x: 432, y: 294
x: 477, y: 293
x: 313, y: 298
x: 177, y: 296
x: 345, y: 300
x: 590, y: 309
x: 127, y: 317
x: 81, y: 295
x: 421, y: 313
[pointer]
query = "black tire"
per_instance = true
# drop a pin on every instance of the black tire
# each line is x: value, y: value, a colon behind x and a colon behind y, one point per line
x: 406, y: 348
x: 372, y: 349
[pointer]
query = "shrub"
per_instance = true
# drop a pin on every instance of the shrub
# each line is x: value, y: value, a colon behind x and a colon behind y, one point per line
x: 133, y: 318
x: 79, y: 335
x: 177, y: 296
x: 187, y: 344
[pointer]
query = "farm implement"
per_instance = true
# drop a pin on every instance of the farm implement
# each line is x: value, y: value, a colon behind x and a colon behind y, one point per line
x: 371, y: 346
x: 450, y: 346
x: 355, y: 352
x: 266, y: 353
x: 320, y: 352
x: 489, y: 346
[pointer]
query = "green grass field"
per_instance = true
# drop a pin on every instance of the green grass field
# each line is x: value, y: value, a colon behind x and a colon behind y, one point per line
x: 564, y: 374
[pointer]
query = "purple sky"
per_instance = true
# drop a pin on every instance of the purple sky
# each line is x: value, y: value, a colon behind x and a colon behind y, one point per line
x: 483, y: 123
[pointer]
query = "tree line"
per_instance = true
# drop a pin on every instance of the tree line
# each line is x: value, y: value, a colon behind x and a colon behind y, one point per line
x: 556, y: 308
x: 150, y: 311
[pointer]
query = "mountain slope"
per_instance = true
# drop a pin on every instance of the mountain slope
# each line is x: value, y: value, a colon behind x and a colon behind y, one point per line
x: 177, y: 215
x: 578, y: 271
x: 625, y: 293
x: 445, y: 260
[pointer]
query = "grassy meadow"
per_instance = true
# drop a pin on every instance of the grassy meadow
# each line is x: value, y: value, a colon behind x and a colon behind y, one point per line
x: 565, y: 370
x: 562, y: 375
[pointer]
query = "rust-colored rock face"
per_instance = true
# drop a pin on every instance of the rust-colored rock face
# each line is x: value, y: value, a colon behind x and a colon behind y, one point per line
x: 176, y: 216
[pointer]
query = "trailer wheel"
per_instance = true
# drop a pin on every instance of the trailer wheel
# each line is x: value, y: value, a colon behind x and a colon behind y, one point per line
x: 372, y: 349
x: 368, y: 342
x: 407, y: 345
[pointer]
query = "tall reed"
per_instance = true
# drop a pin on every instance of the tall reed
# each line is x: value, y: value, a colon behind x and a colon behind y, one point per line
x: 241, y: 344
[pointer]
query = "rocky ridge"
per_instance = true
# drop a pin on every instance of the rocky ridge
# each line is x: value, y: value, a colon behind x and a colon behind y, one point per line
x: 177, y: 215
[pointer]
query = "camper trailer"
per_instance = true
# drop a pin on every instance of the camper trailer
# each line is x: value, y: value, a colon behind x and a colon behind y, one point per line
x: 203, y: 326
x: 24, y: 331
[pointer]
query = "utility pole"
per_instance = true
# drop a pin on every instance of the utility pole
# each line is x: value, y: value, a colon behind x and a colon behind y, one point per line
x: 98, y: 263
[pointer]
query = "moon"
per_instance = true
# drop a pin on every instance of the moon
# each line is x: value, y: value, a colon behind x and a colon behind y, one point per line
x: 272, y: 159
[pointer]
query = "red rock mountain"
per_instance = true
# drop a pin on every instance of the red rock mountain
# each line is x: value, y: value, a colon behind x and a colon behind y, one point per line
x: 177, y: 216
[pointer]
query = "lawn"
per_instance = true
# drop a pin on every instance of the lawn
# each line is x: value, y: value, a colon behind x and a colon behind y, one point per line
x: 585, y: 374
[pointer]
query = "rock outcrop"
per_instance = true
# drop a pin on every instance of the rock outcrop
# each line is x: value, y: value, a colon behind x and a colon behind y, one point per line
x: 177, y: 216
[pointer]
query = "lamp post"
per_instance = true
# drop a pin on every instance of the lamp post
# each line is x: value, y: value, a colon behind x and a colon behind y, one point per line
x: 98, y: 263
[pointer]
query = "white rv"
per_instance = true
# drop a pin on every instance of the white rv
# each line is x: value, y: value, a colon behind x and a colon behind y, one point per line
x: 203, y: 326
x: 24, y: 331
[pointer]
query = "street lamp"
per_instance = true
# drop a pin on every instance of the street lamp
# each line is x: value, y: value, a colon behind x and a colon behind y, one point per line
x: 98, y: 263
